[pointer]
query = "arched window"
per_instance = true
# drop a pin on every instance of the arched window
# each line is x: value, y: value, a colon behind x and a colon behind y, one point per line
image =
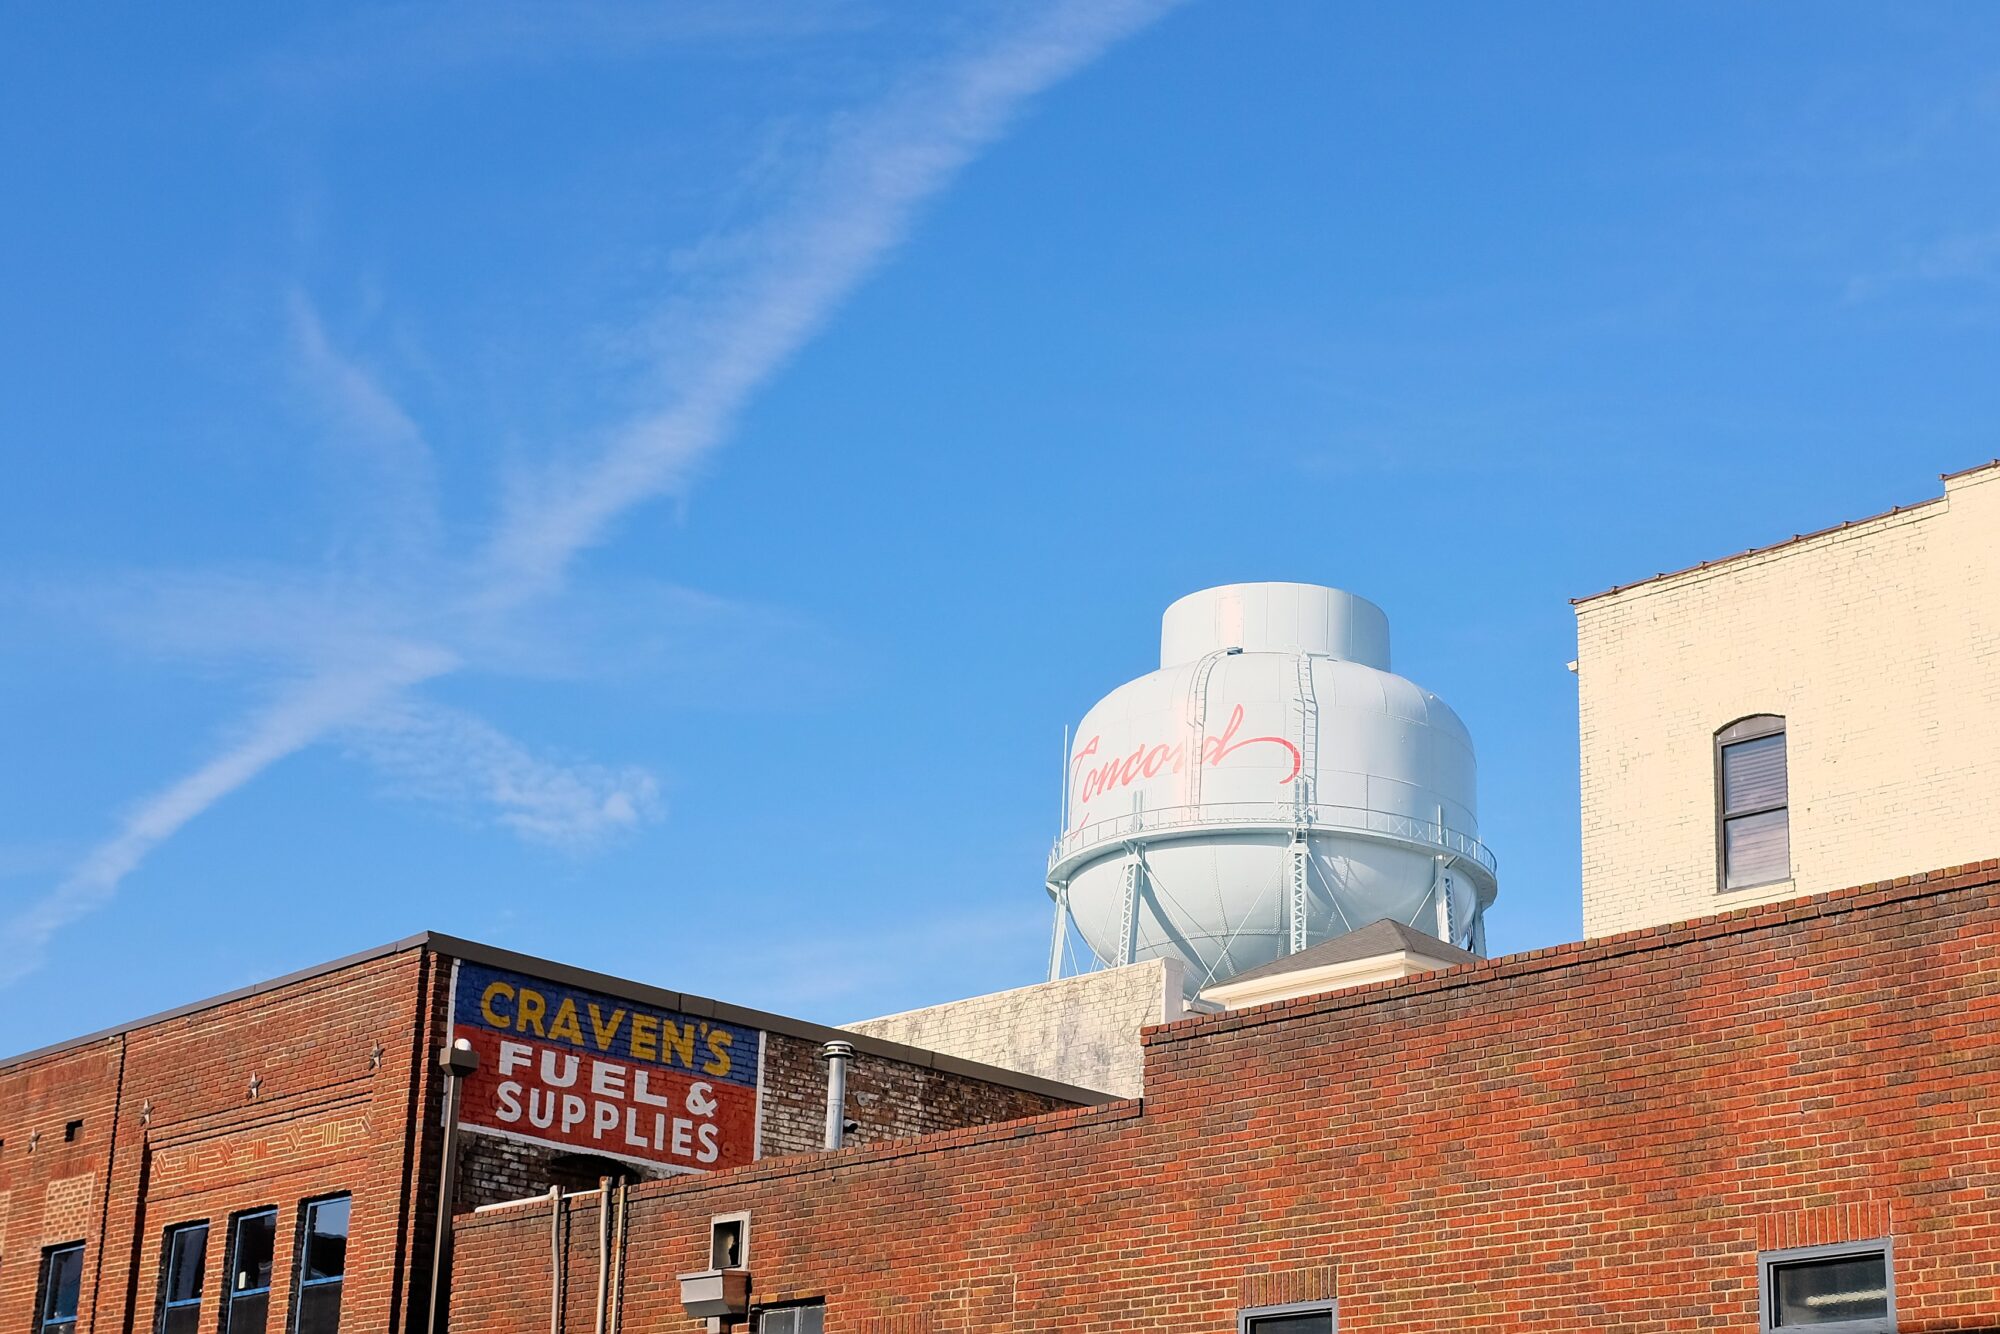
x: 1753, y: 836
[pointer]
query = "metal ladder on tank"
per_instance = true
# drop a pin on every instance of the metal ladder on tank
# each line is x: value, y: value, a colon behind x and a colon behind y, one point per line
x: 1297, y: 898
x: 1197, y: 721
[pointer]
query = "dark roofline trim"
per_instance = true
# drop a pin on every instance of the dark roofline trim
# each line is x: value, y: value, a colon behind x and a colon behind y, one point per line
x: 1073, y: 1120
x: 227, y: 997
x: 1576, y: 954
x: 472, y: 951
x: 1894, y: 511
x: 706, y: 1008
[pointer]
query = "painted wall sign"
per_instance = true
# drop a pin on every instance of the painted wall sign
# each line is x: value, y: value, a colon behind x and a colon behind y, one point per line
x: 576, y: 1069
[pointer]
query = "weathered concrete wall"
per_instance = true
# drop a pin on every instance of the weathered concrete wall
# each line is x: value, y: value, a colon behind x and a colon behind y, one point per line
x: 1879, y: 644
x: 1081, y: 1030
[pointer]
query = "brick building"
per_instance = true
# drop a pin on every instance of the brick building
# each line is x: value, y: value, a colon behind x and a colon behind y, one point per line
x: 1640, y: 1132
x: 272, y: 1156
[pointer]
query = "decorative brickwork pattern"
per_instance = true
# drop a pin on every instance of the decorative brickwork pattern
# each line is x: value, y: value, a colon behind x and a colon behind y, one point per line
x: 317, y: 1085
x: 1596, y: 1137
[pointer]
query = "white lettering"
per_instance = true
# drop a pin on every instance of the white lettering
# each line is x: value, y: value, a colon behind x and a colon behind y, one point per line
x: 541, y: 1109
x: 509, y: 1094
x: 514, y: 1055
x: 640, y: 1094
x: 710, y: 1150
x: 604, y: 1116
x: 683, y: 1133
x: 607, y: 1080
x: 572, y: 1111
x: 549, y: 1077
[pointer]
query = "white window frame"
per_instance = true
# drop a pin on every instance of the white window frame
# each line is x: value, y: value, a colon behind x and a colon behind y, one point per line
x: 1767, y: 1289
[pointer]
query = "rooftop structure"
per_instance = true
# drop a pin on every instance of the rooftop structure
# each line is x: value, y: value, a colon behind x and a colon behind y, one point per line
x: 1271, y: 785
x: 1794, y: 718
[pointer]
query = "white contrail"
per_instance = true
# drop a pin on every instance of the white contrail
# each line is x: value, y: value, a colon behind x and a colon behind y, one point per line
x: 298, y: 718
x: 856, y: 209
x: 860, y: 205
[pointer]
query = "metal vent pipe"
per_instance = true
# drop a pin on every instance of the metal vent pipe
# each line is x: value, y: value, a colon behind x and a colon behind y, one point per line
x: 836, y: 1054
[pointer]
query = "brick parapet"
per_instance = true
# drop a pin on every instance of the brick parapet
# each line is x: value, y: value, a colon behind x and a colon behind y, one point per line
x: 1599, y: 1136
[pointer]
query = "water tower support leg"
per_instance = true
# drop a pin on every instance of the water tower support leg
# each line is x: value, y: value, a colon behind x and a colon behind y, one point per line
x: 1295, y: 905
x: 1128, y: 918
x: 1061, y: 930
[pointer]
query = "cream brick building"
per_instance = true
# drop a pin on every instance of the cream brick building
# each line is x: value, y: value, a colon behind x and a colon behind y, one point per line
x: 1871, y: 649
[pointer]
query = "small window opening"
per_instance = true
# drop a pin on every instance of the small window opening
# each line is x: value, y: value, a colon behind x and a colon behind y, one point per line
x: 72, y: 1130
x: 1848, y: 1289
x: 182, y: 1266
x: 1752, y: 796
x: 62, y: 1284
x: 253, y: 1241
x: 322, y: 1266
x: 729, y: 1241
x: 798, y: 1318
x: 1303, y: 1318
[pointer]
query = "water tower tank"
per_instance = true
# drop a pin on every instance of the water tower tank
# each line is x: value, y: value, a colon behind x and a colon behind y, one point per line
x: 1271, y: 785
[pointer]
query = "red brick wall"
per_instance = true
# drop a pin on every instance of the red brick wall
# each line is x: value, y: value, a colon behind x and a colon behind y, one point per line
x: 173, y: 1132
x: 886, y: 1099
x: 1600, y: 1136
x: 346, y: 1099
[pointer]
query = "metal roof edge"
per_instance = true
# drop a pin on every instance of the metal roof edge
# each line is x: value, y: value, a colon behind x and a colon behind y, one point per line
x: 457, y: 947
x: 471, y: 950
x: 418, y: 941
x: 1895, y: 511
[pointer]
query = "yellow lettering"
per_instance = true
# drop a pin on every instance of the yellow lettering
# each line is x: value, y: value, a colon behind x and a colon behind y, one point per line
x: 533, y: 1008
x: 645, y: 1038
x: 493, y: 1016
x: 564, y: 1026
x: 606, y: 1032
x: 680, y: 1041
x: 718, y: 1052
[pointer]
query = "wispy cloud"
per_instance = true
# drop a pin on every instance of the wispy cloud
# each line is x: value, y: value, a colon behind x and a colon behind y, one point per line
x: 443, y: 755
x: 761, y: 295
x: 299, y: 716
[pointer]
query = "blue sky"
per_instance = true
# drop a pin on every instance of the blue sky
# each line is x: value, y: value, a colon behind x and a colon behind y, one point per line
x: 648, y: 485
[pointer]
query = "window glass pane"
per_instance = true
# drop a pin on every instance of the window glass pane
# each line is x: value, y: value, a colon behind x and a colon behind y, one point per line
x: 181, y: 1319
x: 250, y: 1254
x: 319, y: 1309
x: 1305, y: 1322
x: 1756, y: 849
x: 325, y: 1240
x: 247, y: 1315
x: 812, y: 1320
x: 776, y: 1322
x: 1753, y: 774
x: 1821, y: 1292
x: 187, y: 1253
x: 62, y: 1282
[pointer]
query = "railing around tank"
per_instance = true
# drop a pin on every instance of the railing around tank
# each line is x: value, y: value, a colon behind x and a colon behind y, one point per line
x: 1278, y: 817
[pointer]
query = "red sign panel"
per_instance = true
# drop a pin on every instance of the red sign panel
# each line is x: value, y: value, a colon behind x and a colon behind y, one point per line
x: 576, y: 1069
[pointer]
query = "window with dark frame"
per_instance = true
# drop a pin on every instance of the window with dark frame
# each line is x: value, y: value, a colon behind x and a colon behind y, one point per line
x: 1305, y: 1318
x: 322, y: 1266
x: 798, y: 1318
x: 183, y: 1261
x: 253, y: 1241
x: 1845, y: 1289
x: 62, y: 1285
x: 1753, y: 837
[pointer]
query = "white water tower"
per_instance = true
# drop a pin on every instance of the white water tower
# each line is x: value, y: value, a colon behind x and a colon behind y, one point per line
x: 1273, y: 784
